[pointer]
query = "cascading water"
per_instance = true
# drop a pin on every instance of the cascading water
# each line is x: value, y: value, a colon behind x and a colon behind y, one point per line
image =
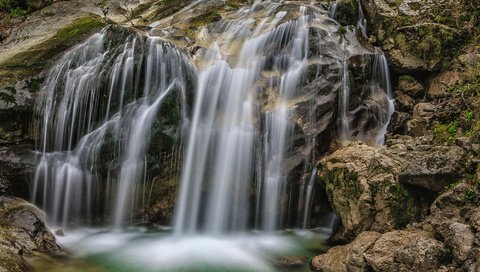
x: 362, y: 21
x: 263, y: 98
x: 89, y: 122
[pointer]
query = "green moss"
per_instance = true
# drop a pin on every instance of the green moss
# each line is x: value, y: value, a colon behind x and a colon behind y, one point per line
x: 402, y: 205
x: 31, y: 62
x: 205, y: 19
x: 347, y: 181
x: 342, y: 30
x: 445, y: 133
x: 64, y: 38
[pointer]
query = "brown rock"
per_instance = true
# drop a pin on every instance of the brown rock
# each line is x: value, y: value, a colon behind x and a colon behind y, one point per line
x: 348, y: 257
x: 422, y: 114
x: 439, y: 85
x: 408, y: 250
x: 404, y: 102
x: 410, y: 86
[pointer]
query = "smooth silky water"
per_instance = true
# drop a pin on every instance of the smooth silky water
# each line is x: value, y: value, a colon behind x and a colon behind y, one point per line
x: 239, y: 102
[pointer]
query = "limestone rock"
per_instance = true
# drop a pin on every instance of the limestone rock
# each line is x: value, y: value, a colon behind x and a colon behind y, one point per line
x: 418, y: 35
x: 358, y: 179
x: 405, y: 251
x: 384, y: 188
x: 16, y: 165
x: 346, y: 258
x: 434, y: 168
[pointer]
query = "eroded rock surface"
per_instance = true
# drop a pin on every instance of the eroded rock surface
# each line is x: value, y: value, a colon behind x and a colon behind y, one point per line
x: 23, y: 232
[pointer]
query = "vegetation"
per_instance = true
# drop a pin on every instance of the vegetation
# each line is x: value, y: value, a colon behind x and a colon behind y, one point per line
x: 21, y: 7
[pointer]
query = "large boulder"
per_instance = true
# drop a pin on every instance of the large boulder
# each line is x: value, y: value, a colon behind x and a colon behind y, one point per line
x: 349, y: 257
x: 362, y: 187
x: 385, y: 188
x: 23, y: 232
x: 405, y: 250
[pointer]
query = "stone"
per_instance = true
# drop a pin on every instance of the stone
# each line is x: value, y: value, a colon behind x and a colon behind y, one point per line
x: 385, y: 188
x: 439, y: 86
x: 404, y: 250
x: 434, y: 169
x: 459, y: 237
x: 408, y: 250
x: 290, y: 262
x: 420, y: 38
x: 422, y: 115
x: 398, y: 123
x: 16, y: 165
x: 23, y: 232
x: 358, y: 179
x: 404, y: 102
x: 409, y: 86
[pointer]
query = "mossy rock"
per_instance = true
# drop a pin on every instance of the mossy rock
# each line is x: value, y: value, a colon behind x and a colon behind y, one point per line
x: 29, y: 63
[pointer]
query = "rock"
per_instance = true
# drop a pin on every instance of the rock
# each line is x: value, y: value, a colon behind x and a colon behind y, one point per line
x: 385, y: 188
x: 16, y: 165
x: 440, y: 85
x: 348, y: 257
x: 435, y: 168
x: 23, y: 232
x: 398, y: 123
x: 290, y: 262
x: 409, y: 86
x: 457, y: 236
x: 332, y: 261
x: 419, y: 35
x: 405, y: 102
x: 362, y: 187
x: 407, y: 250
x: 422, y: 115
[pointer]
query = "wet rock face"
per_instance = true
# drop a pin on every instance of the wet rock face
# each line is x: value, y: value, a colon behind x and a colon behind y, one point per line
x: 23, y: 232
x: 16, y: 167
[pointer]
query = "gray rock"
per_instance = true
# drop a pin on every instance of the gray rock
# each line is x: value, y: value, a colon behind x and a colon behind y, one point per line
x: 435, y: 168
x: 23, y: 232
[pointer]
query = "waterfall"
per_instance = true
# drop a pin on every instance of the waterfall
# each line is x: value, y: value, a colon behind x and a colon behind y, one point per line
x: 362, y: 21
x: 96, y: 124
x: 247, y: 116
x: 332, y: 10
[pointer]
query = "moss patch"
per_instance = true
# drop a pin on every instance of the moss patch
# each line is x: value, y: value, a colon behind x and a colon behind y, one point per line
x: 29, y: 63
x: 402, y: 205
